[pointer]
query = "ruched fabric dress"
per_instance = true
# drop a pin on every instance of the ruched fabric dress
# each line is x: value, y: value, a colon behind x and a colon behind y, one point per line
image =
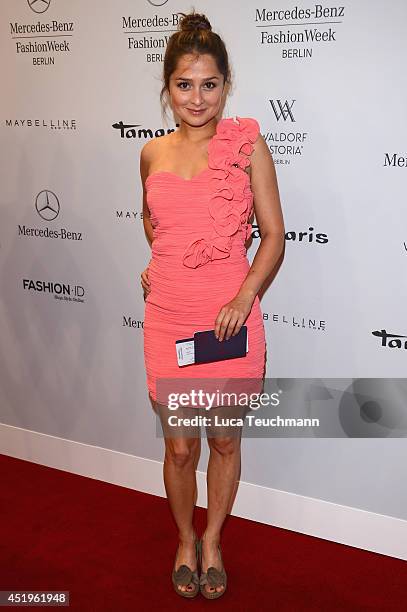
x: 199, y: 258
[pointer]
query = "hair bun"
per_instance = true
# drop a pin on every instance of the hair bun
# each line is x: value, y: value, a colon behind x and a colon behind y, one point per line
x: 194, y: 21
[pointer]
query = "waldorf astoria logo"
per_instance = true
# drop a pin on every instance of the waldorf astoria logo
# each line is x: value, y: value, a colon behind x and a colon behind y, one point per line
x: 284, y: 141
x: 59, y: 290
x: 391, y: 340
x: 42, y: 42
x: 296, y: 32
x: 283, y: 109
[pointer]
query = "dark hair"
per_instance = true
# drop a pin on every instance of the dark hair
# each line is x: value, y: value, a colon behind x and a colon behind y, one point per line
x: 194, y: 36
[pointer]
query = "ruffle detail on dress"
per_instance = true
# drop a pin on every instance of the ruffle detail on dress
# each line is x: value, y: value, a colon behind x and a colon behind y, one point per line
x: 231, y: 197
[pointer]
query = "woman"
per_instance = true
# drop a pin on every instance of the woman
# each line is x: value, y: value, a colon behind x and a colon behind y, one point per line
x: 199, y: 185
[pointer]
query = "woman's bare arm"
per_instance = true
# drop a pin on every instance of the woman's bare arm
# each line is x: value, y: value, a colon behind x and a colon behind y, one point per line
x: 145, y: 155
x: 269, y: 217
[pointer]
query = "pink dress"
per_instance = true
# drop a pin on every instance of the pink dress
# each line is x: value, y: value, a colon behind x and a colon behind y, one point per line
x: 199, y: 259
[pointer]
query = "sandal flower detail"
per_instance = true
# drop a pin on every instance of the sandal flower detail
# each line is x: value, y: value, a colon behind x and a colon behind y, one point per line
x: 184, y: 576
x: 212, y: 577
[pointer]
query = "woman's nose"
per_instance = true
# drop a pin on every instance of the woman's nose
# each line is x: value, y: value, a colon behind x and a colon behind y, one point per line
x: 196, y: 96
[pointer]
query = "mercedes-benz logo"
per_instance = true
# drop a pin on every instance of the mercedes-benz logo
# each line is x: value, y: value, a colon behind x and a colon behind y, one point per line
x: 157, y: 2
x: 39, y: 6
x: 47, y: 205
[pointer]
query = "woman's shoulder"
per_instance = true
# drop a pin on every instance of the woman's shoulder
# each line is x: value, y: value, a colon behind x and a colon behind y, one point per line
x: 154, y: 147
x: 154, y: 143
x: 238, y: 124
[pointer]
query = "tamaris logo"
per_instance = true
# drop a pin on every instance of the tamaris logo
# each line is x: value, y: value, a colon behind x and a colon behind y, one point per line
x: 391, y: 340
x: 297, y: 236
x: 135, y: 130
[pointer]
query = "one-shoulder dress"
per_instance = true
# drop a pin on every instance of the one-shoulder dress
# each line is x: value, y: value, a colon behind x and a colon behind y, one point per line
x: 199, y: 259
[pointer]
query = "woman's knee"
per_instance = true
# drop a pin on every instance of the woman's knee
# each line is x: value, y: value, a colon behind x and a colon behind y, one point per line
x: 181, y: 452
x: 226, y: 446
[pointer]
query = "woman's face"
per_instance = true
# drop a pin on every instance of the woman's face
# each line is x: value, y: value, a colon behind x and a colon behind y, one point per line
x: 196, y: 88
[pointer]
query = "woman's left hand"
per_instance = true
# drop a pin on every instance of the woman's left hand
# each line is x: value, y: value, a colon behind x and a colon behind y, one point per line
x: 232, y: 316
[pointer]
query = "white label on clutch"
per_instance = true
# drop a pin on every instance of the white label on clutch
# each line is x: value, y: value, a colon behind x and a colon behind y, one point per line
x: 185, y: 352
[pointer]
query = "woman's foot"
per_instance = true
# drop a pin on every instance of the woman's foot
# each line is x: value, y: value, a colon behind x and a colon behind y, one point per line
x: 186, y: 555
x: 211, y: 558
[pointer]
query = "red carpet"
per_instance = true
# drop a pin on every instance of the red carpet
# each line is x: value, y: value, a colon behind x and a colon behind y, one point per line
x: 113, y: 549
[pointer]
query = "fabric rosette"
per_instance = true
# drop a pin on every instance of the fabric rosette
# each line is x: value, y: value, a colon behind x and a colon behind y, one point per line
x: 231, y: 196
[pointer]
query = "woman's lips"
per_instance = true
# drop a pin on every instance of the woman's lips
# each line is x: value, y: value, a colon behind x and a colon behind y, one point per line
x: 196, y: 112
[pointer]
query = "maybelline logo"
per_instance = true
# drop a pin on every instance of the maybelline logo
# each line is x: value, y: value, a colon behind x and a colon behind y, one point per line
x: 287, y: 143
x: 61, y: 291
x: 48, y: 207
x: 395, y: 160
x: 129, y: 215
x: 327, y: 16
x: 50, y: 124
x: 296, y: 321
x: 391, y: 340
x: 134, y: 130
x: 294, y: 236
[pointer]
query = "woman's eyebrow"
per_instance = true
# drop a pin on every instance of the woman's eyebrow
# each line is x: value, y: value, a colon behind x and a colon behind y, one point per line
x: 205, y: 79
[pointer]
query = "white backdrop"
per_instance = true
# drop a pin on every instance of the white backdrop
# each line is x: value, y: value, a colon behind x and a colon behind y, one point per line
x: 80, y: 85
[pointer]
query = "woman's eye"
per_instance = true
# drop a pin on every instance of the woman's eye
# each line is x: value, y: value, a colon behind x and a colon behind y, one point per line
x: 210, y: 83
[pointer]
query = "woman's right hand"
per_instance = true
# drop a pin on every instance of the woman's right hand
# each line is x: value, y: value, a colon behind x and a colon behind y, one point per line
x: 145, y: 283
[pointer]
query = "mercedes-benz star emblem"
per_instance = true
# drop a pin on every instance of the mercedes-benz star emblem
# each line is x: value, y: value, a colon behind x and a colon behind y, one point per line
x: 47, y: 205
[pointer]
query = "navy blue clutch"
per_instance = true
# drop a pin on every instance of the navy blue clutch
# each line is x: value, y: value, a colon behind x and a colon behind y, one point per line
x: 208, y: 348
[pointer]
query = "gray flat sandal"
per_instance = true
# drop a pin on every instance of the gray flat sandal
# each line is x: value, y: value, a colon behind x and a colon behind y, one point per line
x: 213, y: 577
x: 184, y: 576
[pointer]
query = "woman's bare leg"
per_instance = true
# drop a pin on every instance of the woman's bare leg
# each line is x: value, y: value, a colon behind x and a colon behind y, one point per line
x: 179, y: 471
x: 222, y: 481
